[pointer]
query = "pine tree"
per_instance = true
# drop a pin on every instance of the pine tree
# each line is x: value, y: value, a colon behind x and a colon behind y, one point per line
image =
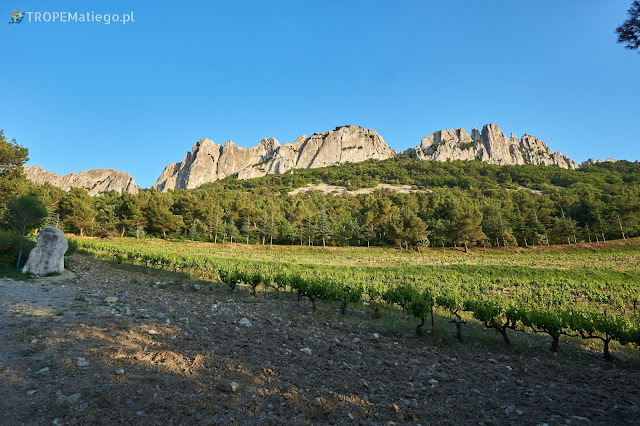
x: 132, y: 213
x: 268, y: 227
x: 231, y: 230
x: 440, y: 233
x: 629, y: 31
x: 324, y: 228
x: 194, y: 229
x: 24, y: 214
x: 465, y: 219
x: 159, y: 215
x: 77, y: 211
x: 12, y: 157
x: 309, y: 230
x: 247, y: 228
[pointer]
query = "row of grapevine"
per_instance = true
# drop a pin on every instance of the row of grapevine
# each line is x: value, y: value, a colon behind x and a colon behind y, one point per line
x: 501, y: 298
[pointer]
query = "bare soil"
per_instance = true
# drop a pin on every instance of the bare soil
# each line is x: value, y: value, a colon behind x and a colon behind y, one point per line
x: 165, y: 354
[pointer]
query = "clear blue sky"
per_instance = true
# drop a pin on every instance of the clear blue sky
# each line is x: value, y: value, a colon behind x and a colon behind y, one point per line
x: 136, y: 97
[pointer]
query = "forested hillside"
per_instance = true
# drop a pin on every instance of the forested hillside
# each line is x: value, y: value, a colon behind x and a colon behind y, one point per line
x: 463, y: 203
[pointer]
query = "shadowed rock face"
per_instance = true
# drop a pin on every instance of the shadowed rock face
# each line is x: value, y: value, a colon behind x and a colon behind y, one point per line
x: 209, y: 161
x: 491, y: 146
x: 94, y: 181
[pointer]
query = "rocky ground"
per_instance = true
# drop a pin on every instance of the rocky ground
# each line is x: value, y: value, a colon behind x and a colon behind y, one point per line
x: 105, y: 345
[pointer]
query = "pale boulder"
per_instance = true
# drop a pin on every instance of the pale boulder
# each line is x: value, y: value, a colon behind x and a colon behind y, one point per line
x: 48, y: 255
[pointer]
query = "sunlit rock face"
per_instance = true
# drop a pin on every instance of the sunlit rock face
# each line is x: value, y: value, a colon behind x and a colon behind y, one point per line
x: 491, y: 146
x: 209, y: 161
x: 95, y: 181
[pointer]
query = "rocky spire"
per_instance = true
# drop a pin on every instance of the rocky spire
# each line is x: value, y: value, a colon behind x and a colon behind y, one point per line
x: 491, y: 145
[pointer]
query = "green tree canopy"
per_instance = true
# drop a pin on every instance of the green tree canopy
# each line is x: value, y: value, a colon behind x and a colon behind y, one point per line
x: 465, y: 218
x: 12, y: 157
x: 629, y: 31
x: 77, y: 211
x: 24, y: 214
x: 159, y: 215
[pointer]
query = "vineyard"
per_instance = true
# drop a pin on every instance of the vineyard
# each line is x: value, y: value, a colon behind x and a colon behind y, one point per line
x: 583, y: 292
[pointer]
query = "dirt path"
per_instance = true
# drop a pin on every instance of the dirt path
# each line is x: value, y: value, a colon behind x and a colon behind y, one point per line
x: 168, y: 354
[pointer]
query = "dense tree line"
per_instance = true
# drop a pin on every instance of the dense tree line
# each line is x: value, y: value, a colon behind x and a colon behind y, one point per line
x: 460, y: 203
x: 457, y: 203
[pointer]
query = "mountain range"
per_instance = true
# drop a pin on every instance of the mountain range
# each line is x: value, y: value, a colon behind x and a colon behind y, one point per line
x: 94, y: 181
x: 208, y: 161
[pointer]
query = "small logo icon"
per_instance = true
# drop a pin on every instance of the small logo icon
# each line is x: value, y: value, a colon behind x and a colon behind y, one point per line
x: 16, y: 17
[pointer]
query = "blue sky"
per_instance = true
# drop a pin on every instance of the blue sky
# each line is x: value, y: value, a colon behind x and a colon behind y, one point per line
x: 136, y: 97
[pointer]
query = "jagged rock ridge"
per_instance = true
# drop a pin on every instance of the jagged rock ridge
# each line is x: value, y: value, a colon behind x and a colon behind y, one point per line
x: 491, y: 146
x: 209, y: 161
x: 94, y: 181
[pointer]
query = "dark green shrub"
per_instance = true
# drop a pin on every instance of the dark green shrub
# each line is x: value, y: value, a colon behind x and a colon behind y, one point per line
x: 10, y: 246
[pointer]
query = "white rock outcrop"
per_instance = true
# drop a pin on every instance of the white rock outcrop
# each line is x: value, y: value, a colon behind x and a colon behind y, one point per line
x: 95, y: 181
x: 48, y: 255
x: 592, y: 161
x: 491, y: 146
x: 347, y: 144
x: 209, y: 161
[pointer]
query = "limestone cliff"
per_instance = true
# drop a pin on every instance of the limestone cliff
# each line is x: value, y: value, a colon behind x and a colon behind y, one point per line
x: 94, y: 181
x: 491, y: 146
x: 209, y: 161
